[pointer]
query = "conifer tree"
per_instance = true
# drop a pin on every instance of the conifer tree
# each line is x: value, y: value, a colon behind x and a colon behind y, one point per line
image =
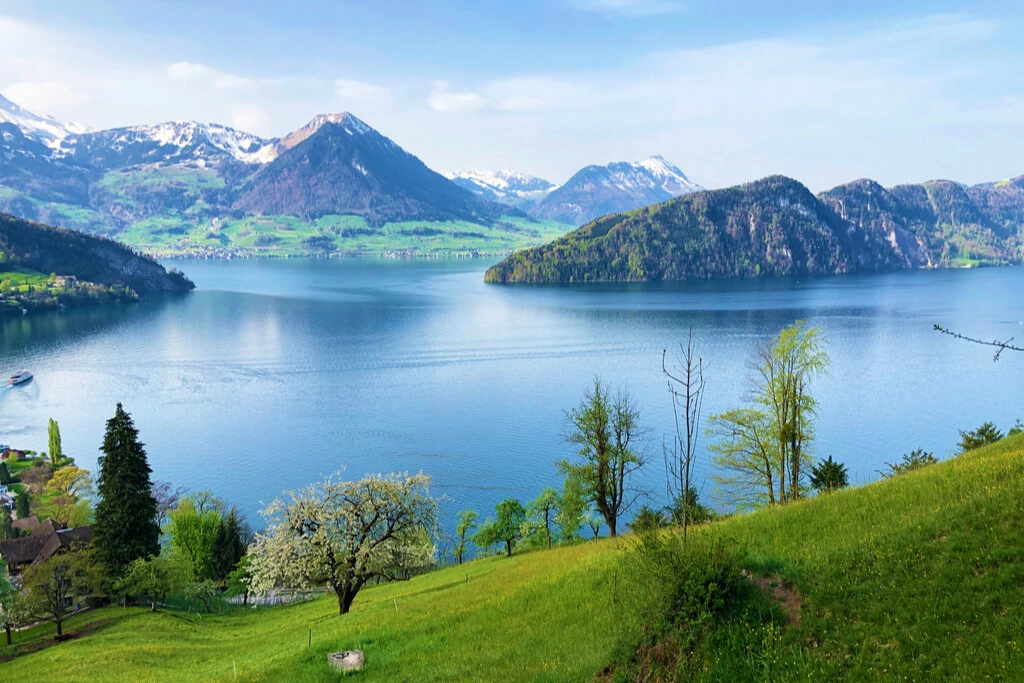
x: 53, y: 437
x: 228, y: 547
x: 125, y: 529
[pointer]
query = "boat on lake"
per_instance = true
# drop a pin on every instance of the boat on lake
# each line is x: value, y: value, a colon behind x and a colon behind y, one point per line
x: 19, y: 378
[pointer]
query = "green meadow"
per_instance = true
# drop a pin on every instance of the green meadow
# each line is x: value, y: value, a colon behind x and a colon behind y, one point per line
x: 918, y: 577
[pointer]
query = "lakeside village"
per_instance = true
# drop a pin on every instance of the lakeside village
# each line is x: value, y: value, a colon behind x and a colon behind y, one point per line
x: 72, y: 543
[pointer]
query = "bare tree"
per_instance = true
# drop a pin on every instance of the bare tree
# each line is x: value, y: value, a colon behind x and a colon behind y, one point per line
x: 686, y: 388
x: 999, y: 345
x: 167, y: 497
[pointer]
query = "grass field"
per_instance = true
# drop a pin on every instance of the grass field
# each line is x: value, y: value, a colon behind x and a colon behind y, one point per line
x: 916, y: 578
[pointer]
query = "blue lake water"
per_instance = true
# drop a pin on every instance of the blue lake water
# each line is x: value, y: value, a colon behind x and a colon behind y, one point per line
x: 273, y: 373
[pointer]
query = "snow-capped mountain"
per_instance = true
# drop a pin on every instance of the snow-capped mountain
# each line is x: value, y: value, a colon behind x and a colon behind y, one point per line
x: 44, y: 129
x: 506, y: 186
x: 622, y: 186
x: 171, y: 142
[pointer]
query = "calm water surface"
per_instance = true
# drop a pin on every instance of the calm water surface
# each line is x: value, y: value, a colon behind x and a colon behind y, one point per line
x: 273, y: 373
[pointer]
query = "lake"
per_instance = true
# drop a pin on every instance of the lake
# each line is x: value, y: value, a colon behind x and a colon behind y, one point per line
x: 273, y: 373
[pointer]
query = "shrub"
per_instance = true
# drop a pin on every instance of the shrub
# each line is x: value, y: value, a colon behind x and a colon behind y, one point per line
x: 647, y: 519
x: 914, y: 460
x: 696, y: 513
x: 829, y: 475
x: 1016, y: 429
x: 982, y: 436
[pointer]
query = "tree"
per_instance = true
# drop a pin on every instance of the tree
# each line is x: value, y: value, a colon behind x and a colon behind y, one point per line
x: 73, y: 482
x: 572, y: 506
x: 13, y: 607
x: 464, y: 527
x: 1000, y: 346
x: 828, y: 476
x: 696, y: 512
x: 745, y: 455
x: 228, y: 546
x: 507, y: 528
x: 686, y: 388
x: 914, y: 460
x: 154, y: 576
x: 542, y: 510
x: 1016, y: 429
x: 6, y: 525
x: 982, y: 436
x: 606, y: 429
x: 646, y: 520
x: 125, y: 527
x: 22, y: 505
x: 764, y: 450
x: 193, y: 529
x: 594, y: 522
x: 5, y: 475
x: 53, y: 438
x: 55, y: 585
x: 239, y: 579
x: 345, y: 534
x: 36, y: 476
x: 167, y: 497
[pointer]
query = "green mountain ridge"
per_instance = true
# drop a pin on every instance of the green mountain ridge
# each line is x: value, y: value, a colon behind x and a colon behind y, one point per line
x: 776, y: 226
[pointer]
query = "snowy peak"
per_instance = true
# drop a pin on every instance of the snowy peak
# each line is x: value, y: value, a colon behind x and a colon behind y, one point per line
x: 168, y: 142
x: 44, y: 129
x: 621, y: 186
x: 348, y: 122
x: 503, y: 185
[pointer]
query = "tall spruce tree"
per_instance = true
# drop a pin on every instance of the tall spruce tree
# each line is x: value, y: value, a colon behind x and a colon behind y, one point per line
x: 228, y: 547
x: 125, y: 529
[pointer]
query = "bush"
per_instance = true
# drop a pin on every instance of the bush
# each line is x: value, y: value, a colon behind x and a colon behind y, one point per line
x: 982, y: 436
x: 914, y: 460
x: 647, y: 519
x: 696, y: 513
x: 1016, y: 429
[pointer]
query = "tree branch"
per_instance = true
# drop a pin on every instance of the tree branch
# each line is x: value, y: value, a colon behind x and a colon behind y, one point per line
x: 1000, y: 345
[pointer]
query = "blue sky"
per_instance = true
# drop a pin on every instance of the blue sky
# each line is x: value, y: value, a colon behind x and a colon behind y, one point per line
x: 901, y: 91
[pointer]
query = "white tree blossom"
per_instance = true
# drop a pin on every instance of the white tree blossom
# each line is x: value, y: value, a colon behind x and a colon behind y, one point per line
x: 344, y: 534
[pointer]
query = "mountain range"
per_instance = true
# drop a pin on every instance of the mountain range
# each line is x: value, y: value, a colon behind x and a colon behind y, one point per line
x: 776, y: 226
x: 335, y: 184
x: 591, y: 192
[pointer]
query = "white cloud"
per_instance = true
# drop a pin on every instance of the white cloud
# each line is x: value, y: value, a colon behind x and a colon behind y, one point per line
x: 42, y: 96
x: 636, y: 8
x: 358, y: 91
x: 443, y: 100
x: 193, y: 71
x: 250, y: 118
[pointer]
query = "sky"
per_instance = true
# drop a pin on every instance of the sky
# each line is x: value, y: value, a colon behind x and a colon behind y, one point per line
x: 729, y: 90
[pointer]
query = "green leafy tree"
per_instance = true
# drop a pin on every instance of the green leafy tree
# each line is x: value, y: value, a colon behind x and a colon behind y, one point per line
x: 155, y: 576
x: 594, y: 522
x: 54, y: 586
x: 464, y: 527
x: 506, y: 528
x: 5, y: 475
x: 23, y: 505
x: 763, y: 452
x: 914, y: 460
x: 982, y: 436
x: 228, y: 546
x: 345, y: 534
x: 193, y: 530
x: 606, y: 430
x: 13, y: 606
x: 125, y: 527
x: 239, y: 579
x: 53, y: 438
x: 6, y: 525
x: 542, y: 511
x: 828, y: 476
x: 572, y: 508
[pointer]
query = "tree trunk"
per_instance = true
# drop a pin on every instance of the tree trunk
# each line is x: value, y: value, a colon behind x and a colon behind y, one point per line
x: 8, y: 629
x: 611, y: 526
x: 508, y: 548
x: 345, y: 598
x: 60, y: 629
x: 153, y: 606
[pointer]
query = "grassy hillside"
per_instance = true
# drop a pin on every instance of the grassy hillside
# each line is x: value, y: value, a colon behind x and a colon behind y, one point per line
x: 916, y: 578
